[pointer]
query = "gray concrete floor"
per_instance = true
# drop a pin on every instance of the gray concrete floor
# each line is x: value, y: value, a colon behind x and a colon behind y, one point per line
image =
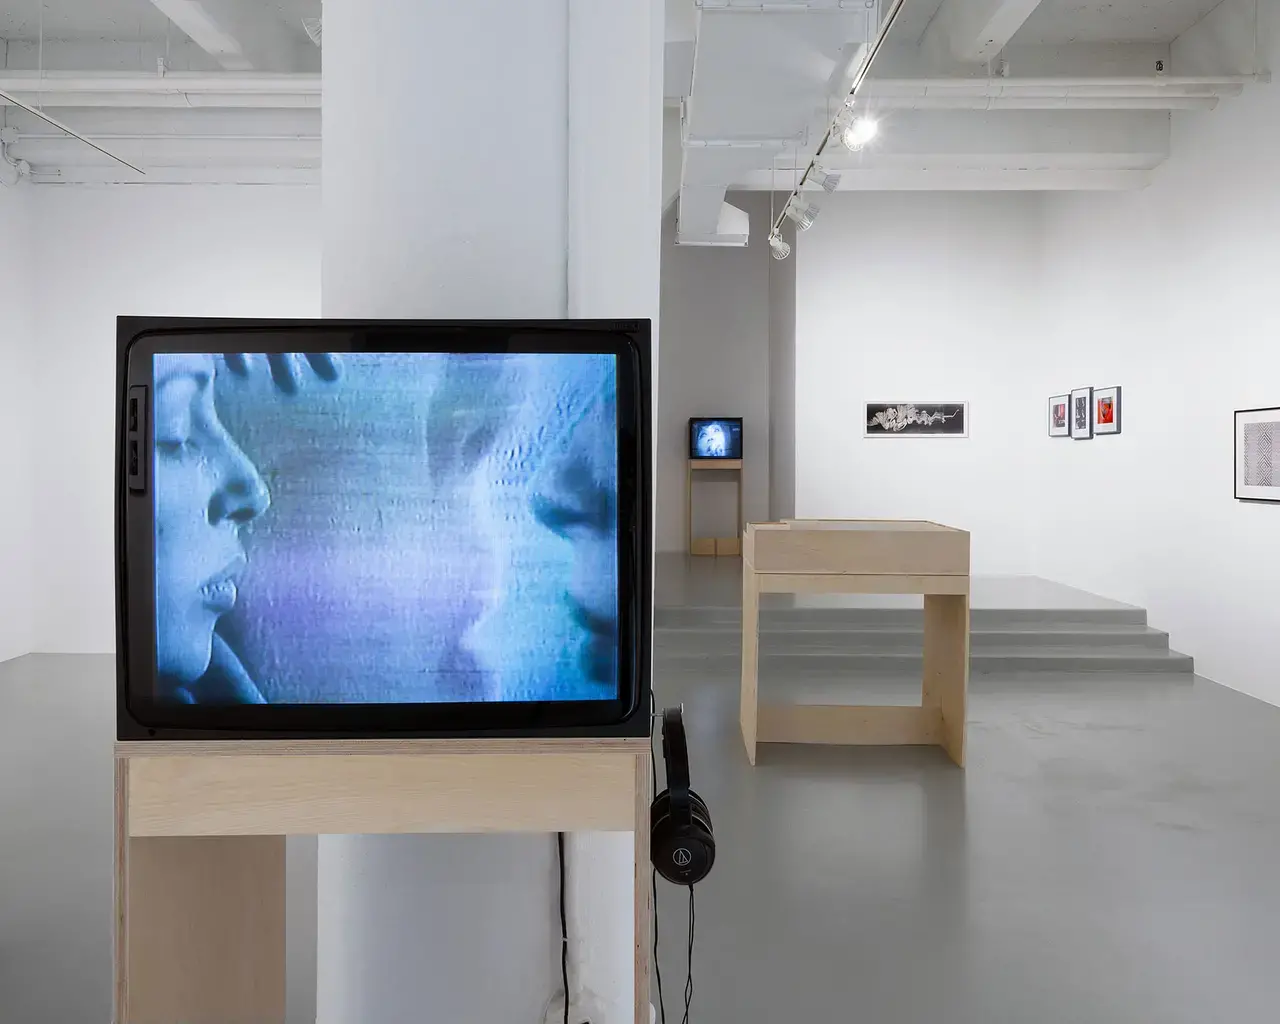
x: 1109, y: 855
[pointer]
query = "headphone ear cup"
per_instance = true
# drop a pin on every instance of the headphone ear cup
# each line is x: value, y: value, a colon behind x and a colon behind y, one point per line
x: 704, y: 832
x: 682, y: 856
x: 700, y: 810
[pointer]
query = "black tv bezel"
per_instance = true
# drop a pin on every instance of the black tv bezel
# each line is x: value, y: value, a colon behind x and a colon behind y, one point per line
x: 628, y: 716
x: 693, y: 453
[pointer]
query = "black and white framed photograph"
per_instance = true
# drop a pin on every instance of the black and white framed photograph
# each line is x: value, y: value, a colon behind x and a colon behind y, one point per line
x: 1060, y: 416
x: 917, y: 419
x: 1258, y: 455
x: 1082, y: 414
x: 1106, y: 411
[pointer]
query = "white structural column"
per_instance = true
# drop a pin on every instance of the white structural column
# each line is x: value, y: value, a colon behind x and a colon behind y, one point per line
x: 483, y: 159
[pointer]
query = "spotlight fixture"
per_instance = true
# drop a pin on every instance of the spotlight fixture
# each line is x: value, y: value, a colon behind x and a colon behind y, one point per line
x: 779, y: 247
x: 859, y: 132
x: 829, y: 180
x: 802, y: 213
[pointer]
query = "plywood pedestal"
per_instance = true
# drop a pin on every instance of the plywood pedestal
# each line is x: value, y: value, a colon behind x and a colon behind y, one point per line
x: 862, y: 557
x: 713, y: 545
x: 200, y: 845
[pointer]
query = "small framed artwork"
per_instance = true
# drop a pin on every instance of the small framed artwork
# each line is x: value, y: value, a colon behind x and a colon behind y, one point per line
x: 1258, y: 455
x: 916, y: 419
x: 1059, y: 416
x: 1106, y: 410
x: 1082, y: 414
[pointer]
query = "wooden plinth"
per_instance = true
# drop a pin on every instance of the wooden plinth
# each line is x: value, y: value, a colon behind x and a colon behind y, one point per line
x: 862, y: 557
x: 200, y: 845
x: 723, y: 546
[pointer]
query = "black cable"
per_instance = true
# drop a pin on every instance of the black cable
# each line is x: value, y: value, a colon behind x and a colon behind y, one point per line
x: 688, y: 985
x: 564, y: 929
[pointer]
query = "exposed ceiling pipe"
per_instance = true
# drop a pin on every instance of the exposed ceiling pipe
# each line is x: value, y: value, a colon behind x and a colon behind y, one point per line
x: 54, y: 83
x: 1064, y: 82
x: 1047, y: 103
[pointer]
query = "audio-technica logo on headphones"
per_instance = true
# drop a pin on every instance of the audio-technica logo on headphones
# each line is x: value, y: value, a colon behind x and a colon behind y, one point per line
x: 682, y: 857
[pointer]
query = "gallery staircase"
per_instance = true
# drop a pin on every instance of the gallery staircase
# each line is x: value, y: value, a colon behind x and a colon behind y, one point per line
x: 889, y: 641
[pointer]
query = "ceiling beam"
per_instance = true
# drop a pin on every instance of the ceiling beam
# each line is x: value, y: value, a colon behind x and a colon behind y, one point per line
x: 973, y: 31
x: 239, y: 34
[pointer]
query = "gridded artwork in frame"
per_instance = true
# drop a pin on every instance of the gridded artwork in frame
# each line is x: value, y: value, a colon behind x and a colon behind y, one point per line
x: 1258, y: 455
x: 1082, y: 414
x: 1060, y: 416
x: 916, y: 419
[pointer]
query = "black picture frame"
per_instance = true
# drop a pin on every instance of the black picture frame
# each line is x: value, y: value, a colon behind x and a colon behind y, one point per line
x: 1081, y: 428
x: 1238, y: 466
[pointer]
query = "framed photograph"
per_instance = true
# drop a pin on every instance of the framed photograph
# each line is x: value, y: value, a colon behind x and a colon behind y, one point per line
x: 1082, y: 414
x: 1258, y: 455
x: 917, y: 419
x: 1060, y: 416
x: 1106, y: 410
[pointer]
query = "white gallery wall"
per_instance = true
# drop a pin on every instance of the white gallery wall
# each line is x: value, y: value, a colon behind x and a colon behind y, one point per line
x: 18, y: 347
x: 1172, y: 293
x: 929, y: 297
x: 715, y: 362
x: 100, y: 252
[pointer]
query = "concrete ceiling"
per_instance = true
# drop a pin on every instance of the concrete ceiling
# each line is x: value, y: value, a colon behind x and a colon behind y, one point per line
x: 970, y: 94
x: 983, y: 94
x: 81, y: 19
x: 119, y: 20
x: 1060, y: 22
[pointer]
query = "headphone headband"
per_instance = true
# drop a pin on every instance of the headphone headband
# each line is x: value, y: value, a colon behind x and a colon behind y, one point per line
x: 675, y: 754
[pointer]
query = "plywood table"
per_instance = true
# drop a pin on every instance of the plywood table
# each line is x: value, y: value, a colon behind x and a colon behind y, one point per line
x: 200, y: 845
x: 816, y: 556
x: 713, y: 545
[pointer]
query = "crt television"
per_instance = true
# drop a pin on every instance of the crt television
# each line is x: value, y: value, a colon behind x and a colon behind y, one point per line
x: 715, y: 437
x: 337, y: 528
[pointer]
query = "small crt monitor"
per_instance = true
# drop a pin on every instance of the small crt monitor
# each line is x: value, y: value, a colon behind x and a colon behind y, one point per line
x: 715, y: 437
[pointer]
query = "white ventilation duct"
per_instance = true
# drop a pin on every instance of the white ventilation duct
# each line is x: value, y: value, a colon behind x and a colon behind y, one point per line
x: 733, y: 228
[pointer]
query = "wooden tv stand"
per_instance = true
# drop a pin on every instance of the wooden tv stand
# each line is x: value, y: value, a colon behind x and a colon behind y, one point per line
x: 200, y: 845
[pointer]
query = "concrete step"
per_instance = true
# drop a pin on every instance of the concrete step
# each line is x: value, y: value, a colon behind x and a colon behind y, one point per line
x: 1010, y: 658
x: 894, y: 617
x: 827, y: 640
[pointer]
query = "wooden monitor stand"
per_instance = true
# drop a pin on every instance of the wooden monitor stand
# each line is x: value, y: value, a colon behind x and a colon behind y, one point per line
x: 713, y: 545
x: 200, y: 845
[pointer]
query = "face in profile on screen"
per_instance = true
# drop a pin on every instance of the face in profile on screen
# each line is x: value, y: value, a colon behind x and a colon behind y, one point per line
x: 429, y: 527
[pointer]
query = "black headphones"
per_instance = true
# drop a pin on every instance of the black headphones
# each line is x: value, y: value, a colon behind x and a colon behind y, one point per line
x: 681, y: 843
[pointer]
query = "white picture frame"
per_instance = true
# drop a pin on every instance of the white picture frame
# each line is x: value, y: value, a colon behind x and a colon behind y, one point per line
x: 915, y: 419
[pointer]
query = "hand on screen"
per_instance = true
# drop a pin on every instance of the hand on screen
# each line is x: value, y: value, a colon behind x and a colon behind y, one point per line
x: 286, y: 367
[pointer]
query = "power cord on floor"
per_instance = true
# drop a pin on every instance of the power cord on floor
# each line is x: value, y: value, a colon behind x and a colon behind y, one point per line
x: 564, y: 928
x: 688, y: 985
x: 653, y: 873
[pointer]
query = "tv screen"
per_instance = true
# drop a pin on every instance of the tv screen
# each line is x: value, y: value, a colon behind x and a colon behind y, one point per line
x: 416, y: 529
x: 719, y: 438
